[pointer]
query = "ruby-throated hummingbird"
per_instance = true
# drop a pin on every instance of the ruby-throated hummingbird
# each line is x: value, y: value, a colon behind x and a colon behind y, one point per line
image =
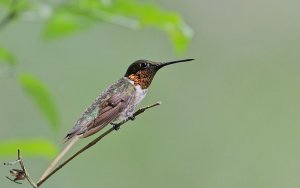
x: 116, y: 103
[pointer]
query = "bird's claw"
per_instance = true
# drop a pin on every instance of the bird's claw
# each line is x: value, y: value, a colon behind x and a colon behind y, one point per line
x: 131, y: 118
x: 116, y: 126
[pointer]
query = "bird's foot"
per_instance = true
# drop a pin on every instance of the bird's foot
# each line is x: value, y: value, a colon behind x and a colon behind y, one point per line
x: 116, y: 126
x: 131, y: 118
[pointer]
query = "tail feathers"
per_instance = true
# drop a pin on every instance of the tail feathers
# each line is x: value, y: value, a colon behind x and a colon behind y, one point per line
x: 69, y: 136
x: 72, y: 133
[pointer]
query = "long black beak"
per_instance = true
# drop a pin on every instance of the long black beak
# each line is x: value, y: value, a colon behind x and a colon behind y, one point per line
x: 160, y: 65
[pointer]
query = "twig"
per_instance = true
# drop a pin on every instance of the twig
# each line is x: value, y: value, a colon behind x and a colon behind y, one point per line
x: 15, y: 181
x: 20, y: 174
x: 25, y: 171
x: 116, y: 126
x: 12, y: 162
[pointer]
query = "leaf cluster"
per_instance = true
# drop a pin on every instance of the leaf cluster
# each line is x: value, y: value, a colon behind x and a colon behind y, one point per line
x: 65, y: 18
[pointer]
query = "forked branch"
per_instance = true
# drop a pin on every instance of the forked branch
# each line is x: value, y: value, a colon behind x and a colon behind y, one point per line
x: 20, y: 174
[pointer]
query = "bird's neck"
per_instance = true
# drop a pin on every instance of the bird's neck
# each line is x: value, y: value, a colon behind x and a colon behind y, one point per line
x: 142, y: 80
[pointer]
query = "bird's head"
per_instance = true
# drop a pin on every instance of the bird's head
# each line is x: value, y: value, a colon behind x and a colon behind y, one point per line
x: 142, y: 72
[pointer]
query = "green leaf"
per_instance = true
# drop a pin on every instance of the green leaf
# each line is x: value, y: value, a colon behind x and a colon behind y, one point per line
x: 79, y: 14
x: 65, y: 22
x: 150, y: 15
x: 134, y: 15
x: 29, y: 148
x: 42, y: 97
x: 6, y: 57
x: 16, y: 5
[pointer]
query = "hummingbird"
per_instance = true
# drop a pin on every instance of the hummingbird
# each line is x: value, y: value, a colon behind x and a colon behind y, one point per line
x: 116, y: 103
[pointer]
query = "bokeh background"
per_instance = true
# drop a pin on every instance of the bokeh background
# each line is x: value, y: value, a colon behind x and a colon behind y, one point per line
x: 228, y: 119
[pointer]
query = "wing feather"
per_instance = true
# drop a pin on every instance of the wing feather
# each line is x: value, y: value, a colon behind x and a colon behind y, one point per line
x: 106, y: 108
x: 110, y: 110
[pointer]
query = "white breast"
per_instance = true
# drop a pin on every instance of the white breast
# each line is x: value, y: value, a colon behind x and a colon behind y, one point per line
x: 135, y: 100
x: 140, y: 94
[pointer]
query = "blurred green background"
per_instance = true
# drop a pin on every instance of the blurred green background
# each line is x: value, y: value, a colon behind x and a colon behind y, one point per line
x: 228, y: 119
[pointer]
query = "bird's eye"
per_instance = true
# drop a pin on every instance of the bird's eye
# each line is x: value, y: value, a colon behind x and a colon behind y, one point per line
x: 144, y: 65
